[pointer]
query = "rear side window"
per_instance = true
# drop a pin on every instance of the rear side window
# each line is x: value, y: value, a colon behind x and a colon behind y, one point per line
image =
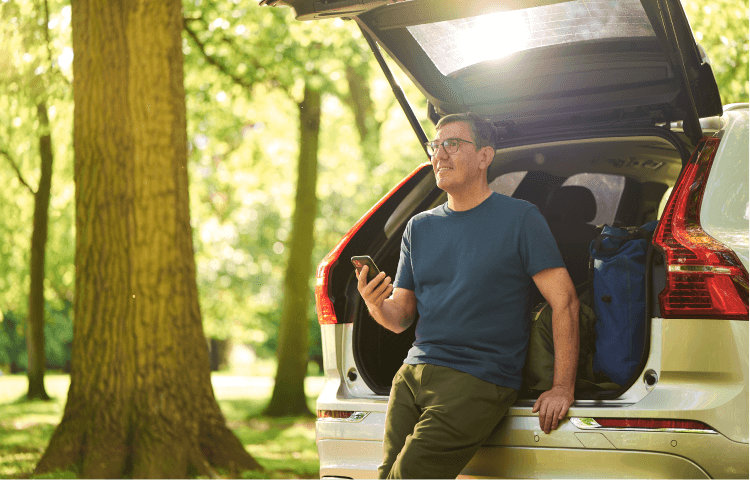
x: 507, y: 183
x: 607, y: 190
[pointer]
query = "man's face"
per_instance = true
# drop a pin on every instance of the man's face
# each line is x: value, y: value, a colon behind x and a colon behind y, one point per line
x: 456, y: 171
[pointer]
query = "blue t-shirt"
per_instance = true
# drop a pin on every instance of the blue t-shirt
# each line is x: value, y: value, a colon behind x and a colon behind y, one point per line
x: 471, y: 274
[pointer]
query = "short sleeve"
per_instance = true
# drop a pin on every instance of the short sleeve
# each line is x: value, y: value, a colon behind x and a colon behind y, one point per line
x: 537, y: 246
x: 405, y: 272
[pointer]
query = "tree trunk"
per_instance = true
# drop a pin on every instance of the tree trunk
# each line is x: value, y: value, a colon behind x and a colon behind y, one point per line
x: 360, y: 101
x: 140, y: 402
x: 35, y: 331
x: 289, y: 391
x: 218, y: 353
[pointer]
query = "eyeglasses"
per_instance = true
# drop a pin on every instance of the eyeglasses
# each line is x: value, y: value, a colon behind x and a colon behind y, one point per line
x: 450, y: 145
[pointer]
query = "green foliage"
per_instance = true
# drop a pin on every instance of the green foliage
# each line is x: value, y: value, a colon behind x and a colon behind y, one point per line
x: 58, y: 334
x: 721, y: 27
x: 244, y: 72
x: 12, y: 342
x: 243, y: 130
x: 35, y: 67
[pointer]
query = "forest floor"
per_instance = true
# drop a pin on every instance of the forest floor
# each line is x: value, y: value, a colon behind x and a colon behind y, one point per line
x: 284, y: 446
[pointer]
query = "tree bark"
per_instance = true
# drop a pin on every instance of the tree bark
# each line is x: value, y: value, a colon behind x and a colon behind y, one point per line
x: 289, y: 391
x: 360, y: 101
x: 140, y: 402
x: 35, y: 331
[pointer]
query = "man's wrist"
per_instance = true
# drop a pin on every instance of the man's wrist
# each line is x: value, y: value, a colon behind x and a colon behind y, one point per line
x: 568, y: 388
x: 374, y: 311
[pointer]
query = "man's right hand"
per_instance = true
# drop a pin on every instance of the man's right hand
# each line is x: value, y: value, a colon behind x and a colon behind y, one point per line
x: 395, y: 312
x: 375, y: 292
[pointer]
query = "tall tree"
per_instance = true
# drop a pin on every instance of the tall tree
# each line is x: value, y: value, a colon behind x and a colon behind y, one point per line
x: 300, y: 59
x: 289, y: 390
x: 359, y: 99
x: 35, y: 331
x: 288, y: 396
x: 140, y: 401
x: 39, y: 93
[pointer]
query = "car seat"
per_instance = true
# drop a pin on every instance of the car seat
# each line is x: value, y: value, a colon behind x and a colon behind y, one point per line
x: 568, y: 212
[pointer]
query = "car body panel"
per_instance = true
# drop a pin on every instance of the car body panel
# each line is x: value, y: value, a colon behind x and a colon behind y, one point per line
x: 701, y: 367
x: 725, y: 211
x: 520, y: 462
x: 704, y: 370
x: 349, y: 458
x: 717, y: 395
x: 598, y: 100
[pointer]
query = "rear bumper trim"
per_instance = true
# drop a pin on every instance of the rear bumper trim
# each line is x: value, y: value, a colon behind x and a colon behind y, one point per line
x: 587, y: 423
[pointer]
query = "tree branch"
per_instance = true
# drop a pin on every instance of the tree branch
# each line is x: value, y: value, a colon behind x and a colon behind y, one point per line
x: 46, y: 33
x: 53, y: 68
x: 18, y: 172
x: 61, y: 295
x: 222, y: 68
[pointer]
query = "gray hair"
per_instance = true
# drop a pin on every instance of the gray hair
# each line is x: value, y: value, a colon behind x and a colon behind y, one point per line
x: 482, y: 131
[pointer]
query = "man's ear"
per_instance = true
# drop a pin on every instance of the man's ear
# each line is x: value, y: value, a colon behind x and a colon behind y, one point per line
x: 487, y: 155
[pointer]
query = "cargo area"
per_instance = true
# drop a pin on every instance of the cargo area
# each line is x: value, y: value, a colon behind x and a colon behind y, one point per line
x: 576, y: 184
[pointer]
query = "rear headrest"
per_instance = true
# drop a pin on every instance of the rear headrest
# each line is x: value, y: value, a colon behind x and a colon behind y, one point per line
x: 571, y: 204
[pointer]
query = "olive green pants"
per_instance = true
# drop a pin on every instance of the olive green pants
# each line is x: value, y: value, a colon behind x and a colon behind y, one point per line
x: 437, y: 419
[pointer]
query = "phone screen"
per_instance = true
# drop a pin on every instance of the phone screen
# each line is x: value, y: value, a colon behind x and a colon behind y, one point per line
x: 361, y: 261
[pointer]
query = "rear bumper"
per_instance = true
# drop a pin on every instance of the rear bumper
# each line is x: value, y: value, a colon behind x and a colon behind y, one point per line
x: 360, y: 459
x: 521, y: 462
x: 349, y: 458
x: 519, y: 450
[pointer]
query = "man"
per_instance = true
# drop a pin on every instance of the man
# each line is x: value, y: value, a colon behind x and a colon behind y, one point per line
x: 467, y: 266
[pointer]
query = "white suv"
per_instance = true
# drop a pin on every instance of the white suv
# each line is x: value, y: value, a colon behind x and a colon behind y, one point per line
x: 613, y: 97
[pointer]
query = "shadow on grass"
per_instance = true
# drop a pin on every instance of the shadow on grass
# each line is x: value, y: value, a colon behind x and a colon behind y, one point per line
x: 285, y: 446
x: 25, y: 429
x: 51, y: 409
x: 22, y: 445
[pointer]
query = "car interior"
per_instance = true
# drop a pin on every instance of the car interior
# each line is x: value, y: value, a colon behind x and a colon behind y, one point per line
x: 576, y: 184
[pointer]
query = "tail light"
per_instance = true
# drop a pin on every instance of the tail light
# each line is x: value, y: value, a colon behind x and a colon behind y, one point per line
x: 705, y: 279
x: 338, y: 414
x: 651, y: 424
x: 323, y: 303
x: 341, y: 416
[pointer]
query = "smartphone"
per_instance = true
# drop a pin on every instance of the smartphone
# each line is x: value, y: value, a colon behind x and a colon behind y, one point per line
x: 361, y: 261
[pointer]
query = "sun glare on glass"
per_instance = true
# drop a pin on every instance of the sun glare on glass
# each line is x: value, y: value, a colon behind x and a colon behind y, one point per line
x: 456, y: 44
x: 492, y: 36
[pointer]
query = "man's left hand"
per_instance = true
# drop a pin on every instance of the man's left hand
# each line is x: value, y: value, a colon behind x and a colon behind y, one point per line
x: 552, y: 406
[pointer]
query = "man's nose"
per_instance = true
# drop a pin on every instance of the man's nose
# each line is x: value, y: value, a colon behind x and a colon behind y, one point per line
x: 440, y: 152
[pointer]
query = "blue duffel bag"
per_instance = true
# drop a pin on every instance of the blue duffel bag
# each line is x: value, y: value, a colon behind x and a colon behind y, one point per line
x: 618, y: 270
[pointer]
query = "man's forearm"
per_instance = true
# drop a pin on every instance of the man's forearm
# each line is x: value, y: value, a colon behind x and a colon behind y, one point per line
x: 392, y: 317
x: 566, y: 340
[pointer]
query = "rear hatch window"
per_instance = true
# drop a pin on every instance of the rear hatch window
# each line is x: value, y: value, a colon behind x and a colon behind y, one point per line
x: 457, y: 44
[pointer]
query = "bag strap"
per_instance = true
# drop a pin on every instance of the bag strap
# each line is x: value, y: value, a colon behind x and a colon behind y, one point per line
x: 591, y: 281
x: 598, y: 232
x: 634, y: 233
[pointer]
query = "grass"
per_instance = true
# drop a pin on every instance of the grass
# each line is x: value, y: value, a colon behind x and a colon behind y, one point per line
x: 285, y: 447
